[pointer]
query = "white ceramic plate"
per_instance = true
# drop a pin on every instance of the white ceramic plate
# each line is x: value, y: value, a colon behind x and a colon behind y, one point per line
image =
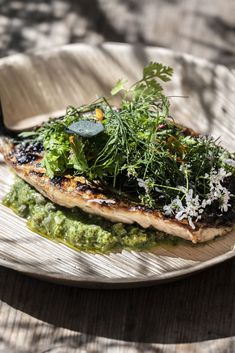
x: 31, y: 86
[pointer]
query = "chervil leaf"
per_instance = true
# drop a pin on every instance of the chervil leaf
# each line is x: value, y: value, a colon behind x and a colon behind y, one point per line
x: 151, y: 89
x: 157, y: 70
x: 142, y: 153
x: 118, y: 87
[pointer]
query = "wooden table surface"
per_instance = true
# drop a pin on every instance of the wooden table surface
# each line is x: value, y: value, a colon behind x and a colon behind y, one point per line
x: 196, y: 314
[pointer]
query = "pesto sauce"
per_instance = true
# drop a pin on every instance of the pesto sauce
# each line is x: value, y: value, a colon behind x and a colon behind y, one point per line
x: 76, y: 228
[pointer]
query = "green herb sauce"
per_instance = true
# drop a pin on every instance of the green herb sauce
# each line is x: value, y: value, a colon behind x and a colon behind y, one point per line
x: 76, y: 228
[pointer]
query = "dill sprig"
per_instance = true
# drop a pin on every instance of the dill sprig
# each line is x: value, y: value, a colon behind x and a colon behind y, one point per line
x: 141, y: 152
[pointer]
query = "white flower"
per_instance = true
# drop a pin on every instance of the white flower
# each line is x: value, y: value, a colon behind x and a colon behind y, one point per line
x: 182, y: 188
x: 192, y: 209
x: 224, y: 199
x: 168, y: 209
x: 191, y: 222
x: 217, y: 177
x: 230, y: 162
x: 217, y: 190
x: 175, y: 205
x: 204, y: 203
x: 181, y: 215
x: 142, y: 184
x: 184, y: 167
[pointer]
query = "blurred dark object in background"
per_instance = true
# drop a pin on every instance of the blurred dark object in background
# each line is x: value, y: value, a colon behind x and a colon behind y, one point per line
x: 202, y: 27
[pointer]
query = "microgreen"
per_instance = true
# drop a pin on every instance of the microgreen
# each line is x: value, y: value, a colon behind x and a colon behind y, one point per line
x: 139, y: 152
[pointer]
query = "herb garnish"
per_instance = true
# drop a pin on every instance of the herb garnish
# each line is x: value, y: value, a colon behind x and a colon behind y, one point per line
x: 85, y: 128
x: 138, y: 150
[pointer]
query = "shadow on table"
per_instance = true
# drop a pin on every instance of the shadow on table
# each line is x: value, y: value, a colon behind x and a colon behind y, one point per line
x: 35, y: 24
x: 194, y: 309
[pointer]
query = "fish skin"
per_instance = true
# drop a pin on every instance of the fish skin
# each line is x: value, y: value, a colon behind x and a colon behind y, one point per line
x: 70, y: 191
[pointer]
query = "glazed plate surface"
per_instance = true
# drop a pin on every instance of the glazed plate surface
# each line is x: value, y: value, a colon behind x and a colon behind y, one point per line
x: 33, y: 86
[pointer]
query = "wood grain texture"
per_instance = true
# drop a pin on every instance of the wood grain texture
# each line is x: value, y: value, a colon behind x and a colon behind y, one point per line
x: 28, y: 252
x: 48, y: 81
x: 201, y: 27
x: 191, y: 315
x: 86, y: 71
x: 195, y: 315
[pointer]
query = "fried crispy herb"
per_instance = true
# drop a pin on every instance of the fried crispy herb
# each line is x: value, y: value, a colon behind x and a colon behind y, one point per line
x: 141, y: 152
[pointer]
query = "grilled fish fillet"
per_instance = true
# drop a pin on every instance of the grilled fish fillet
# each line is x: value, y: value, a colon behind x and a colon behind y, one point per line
x: 78, y: 192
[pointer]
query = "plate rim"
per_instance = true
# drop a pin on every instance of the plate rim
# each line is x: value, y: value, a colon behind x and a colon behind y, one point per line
x: 122, y: 282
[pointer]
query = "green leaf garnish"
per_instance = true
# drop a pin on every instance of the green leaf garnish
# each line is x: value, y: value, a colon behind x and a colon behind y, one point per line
x: 26, y: 134
x: 118, y: 87
x: 85, y: 128
x: 142, y: 153
x: 157, y: 70
x: 78, y: 158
